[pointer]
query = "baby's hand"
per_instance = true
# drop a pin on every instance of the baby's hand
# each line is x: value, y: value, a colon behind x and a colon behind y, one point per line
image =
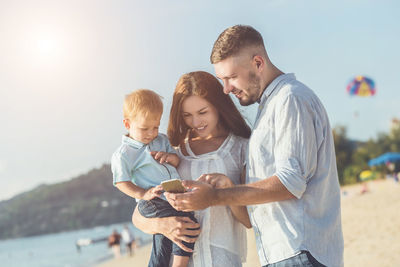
x: 153, y: 192
x: 160, y: 156
x: 169, y: 158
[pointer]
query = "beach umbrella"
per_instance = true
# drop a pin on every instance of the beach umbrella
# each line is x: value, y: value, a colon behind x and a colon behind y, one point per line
x: 385, y: 158
x: 361, y: 86
x: 367, y: 175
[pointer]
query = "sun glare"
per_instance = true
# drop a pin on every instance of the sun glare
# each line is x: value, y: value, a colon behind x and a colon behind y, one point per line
x: 45, y: 46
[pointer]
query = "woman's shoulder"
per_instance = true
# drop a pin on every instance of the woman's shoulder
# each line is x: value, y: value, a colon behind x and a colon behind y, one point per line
x: 181, y: 149
x: 238, y: 147
x: 239, y: 140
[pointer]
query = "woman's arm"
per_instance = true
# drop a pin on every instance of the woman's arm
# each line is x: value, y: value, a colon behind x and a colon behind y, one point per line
x: 175, y: 229
x: 240, y: 212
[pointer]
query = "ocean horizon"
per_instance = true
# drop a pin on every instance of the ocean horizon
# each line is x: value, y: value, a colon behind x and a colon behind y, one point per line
x: 59, y: 249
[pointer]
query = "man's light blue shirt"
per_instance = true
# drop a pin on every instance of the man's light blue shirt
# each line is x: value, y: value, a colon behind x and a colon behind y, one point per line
x: 292, y: 139
x: 132, y: 162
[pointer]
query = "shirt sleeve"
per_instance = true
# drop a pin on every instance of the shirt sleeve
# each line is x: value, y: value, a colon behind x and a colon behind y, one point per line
x: 295, y: 149
x: 120, y: 169
x: 168, y: 147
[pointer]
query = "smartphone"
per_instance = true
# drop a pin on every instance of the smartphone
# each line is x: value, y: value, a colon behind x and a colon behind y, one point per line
x: 173, y: 186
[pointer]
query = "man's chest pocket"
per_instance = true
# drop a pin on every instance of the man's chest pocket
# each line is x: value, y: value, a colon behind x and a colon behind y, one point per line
x: 261, y: 144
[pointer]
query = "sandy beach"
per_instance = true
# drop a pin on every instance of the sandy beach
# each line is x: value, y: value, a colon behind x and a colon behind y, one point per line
x: 371, y: 228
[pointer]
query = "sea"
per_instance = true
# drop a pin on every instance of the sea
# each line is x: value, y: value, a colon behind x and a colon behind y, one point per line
x: 60, y: 249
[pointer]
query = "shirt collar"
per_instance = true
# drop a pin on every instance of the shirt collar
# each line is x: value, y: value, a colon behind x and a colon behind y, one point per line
x: 274, y: 85
x: 132, y: 142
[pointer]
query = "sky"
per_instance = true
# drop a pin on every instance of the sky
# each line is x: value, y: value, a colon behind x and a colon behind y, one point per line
x: 65, y: 67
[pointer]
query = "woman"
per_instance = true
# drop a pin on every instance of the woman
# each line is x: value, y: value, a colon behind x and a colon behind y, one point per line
x: 211, y: 137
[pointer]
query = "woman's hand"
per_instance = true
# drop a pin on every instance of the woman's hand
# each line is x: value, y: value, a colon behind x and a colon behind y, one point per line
x: 199, y: 196
x: 176, y: 229
x: 217, y: 180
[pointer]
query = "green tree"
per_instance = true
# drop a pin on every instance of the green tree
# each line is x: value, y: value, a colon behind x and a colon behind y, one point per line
x: 344, y: 150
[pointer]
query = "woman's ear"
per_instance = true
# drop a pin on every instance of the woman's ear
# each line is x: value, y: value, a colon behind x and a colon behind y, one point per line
x: 126, y: 124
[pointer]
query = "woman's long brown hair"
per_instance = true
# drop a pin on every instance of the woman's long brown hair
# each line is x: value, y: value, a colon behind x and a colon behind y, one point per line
x: 205, y: 85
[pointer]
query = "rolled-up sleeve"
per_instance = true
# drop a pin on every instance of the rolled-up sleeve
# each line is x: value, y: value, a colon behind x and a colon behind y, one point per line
x: 120, y: 169
x: 295, y: 150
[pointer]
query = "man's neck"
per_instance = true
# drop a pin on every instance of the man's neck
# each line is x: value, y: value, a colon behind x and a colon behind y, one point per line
x: 271, y: 74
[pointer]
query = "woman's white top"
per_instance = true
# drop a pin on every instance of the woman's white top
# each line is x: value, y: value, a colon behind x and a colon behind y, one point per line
x: 222, y: 241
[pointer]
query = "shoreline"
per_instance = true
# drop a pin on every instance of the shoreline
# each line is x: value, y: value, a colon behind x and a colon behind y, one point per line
x: 370, y: 224
x: 142, y: 255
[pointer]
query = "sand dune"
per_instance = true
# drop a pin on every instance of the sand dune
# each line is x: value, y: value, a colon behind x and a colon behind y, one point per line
x: 371, y: 227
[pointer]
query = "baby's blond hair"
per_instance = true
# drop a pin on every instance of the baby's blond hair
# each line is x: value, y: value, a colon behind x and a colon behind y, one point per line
x: 144, y: 103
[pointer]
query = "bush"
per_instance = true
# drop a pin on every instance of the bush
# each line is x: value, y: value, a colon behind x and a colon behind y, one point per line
x: 350, y: 174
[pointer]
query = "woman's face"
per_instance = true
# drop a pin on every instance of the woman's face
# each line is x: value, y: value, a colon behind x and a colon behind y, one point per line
x: 201, y: 116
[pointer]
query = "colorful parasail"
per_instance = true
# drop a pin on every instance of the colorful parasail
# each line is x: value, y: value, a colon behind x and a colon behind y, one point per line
x: 361, y: 86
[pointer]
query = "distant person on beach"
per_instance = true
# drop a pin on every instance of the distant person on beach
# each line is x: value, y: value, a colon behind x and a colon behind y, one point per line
x: 211, y: 136
x: 129, y: 240
x: 114, y: 241
x: 292, y: 189
x: 364, y: 188
x: 144, y: 160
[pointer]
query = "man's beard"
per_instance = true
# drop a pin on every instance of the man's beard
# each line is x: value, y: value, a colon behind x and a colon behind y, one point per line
x: 252, y: 91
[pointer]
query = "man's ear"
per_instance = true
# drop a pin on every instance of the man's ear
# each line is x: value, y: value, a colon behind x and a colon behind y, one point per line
x: 259, y: 62
x: 126, y: 124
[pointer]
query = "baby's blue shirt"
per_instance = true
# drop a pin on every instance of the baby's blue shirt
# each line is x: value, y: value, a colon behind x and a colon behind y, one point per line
x: 132, y: 162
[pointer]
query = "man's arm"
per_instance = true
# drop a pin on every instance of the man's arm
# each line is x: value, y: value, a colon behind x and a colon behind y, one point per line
x: 264, y: 191
x: 221, y: 181
x: 203, y: 195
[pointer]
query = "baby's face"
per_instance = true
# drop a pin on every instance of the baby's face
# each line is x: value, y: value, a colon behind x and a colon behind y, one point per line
x: 144, y: 129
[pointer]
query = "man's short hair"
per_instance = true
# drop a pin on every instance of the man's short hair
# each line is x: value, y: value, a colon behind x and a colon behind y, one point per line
x: 144, y: 103
x: 234, y: 39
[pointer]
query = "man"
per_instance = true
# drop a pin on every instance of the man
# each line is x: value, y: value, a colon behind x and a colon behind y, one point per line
x: 292, y: 189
